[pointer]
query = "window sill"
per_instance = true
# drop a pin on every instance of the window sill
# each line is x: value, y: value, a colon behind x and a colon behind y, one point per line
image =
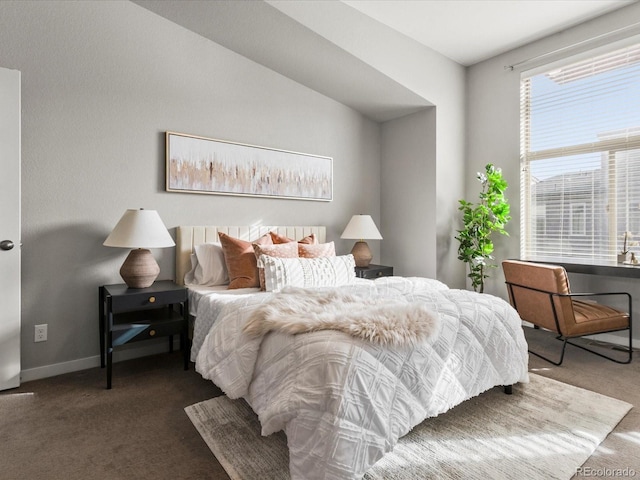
x: 610, y: 269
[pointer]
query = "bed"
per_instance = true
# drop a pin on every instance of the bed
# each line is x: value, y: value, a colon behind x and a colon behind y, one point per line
x: 344, y: 389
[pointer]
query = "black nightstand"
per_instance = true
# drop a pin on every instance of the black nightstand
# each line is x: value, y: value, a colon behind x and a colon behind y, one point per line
x: 134, y: 314
x: 374, y: 271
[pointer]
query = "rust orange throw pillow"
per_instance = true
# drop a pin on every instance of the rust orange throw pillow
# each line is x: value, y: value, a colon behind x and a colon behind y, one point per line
x: 241, y: 260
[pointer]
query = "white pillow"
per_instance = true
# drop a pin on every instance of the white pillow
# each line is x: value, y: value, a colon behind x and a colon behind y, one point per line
x: 307, y: 272
x: 189, y: 277
x: 208, y: 267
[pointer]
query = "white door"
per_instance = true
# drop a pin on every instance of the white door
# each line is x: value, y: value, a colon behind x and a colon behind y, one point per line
x: 9, y: 228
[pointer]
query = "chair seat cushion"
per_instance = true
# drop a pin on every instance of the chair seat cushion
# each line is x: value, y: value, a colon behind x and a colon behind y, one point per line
x: 594, y: 317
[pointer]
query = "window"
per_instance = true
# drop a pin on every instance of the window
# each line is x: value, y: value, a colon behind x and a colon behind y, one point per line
x: 580, y: 158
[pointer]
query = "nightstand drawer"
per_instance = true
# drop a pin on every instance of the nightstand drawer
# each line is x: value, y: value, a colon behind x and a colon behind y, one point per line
x: 144, y: 330
x: 162, y: 329
x: 161, y: 293
x: 137, y: 301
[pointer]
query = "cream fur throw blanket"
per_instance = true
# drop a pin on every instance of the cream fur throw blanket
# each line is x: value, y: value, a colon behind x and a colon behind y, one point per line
x: 386, y: 321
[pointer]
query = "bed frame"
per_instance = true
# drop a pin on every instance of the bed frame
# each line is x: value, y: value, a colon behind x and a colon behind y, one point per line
x: 187, y: 237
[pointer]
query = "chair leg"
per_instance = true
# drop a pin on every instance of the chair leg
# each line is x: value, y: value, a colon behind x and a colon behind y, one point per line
x: 566, y: 341
x: 624, y: 362
x: 564, y: 346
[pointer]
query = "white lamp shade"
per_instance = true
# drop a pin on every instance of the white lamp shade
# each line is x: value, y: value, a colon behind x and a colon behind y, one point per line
x: 139, y: 229
x: 361, y: 227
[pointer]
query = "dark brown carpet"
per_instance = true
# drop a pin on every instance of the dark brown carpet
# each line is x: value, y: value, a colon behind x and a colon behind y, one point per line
x: 70, y: 427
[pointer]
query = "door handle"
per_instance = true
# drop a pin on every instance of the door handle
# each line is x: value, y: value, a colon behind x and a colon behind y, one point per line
x: 6, y: 245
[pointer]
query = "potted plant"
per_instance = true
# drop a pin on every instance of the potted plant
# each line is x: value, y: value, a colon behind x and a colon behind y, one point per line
x: 622, y: 256
x: 481, y: 221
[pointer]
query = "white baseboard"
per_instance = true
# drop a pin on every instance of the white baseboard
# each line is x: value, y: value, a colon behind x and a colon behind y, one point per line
x: 623, y: 341
x: 47, y: 371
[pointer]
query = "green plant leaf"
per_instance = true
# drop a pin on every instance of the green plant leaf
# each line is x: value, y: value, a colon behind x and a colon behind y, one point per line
x: 490, y: 215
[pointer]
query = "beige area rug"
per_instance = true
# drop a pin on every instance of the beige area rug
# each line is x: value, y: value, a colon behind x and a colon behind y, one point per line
x: 545, y: 430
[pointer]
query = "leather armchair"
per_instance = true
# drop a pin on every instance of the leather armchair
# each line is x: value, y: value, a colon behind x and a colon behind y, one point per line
x: 542, y: 296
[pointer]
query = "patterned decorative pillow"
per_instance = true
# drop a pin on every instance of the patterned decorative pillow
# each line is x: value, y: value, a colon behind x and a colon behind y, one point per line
x: 241, y: 261
x: 278, y: 239
x: 282, y: 250
x: 307, y: 272
x: 318, y: 250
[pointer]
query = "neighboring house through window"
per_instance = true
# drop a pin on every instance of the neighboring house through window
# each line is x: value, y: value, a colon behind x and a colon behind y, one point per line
x: 578, y: 219
x: 580, y: 157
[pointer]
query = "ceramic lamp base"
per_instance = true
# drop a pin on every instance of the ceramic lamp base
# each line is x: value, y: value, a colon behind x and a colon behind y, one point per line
x: 362, y: 254
x: 140, y: 269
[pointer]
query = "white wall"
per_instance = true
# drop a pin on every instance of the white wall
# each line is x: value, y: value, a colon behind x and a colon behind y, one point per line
x: 409, y: 194
x: 432, y: 76
x: 442, y: 82
x: 493, y: 119
x: 101, y: 83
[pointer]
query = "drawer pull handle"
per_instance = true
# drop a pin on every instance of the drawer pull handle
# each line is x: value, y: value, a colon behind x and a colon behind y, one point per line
x: 380, y: 274
x: 152, y: 333
x: 152, y: 299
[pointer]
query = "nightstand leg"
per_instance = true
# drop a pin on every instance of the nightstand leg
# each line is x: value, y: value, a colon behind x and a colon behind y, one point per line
x: 109, y: 354
x: 101, y: 317
x: 169, y: 311
x: 184, y: 336
x: 109, y: 345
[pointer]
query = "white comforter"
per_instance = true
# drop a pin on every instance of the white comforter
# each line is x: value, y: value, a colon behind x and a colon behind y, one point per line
x: 343, y: 402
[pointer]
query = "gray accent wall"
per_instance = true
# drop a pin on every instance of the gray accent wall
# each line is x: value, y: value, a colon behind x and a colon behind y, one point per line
x: 101, y: 83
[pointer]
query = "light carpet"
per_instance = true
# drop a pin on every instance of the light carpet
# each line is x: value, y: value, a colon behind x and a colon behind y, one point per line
x: 545, y: 430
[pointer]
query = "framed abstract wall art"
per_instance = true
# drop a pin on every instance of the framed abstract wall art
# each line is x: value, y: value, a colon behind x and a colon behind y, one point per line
x: 205, y: 165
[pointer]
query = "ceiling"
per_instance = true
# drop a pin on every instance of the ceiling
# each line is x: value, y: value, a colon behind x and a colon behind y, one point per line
x: 470, y: 31
x: 300, y: 39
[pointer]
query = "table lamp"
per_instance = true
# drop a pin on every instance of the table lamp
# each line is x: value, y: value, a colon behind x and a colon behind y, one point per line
x: 139, y: 230
x: 361, y: 227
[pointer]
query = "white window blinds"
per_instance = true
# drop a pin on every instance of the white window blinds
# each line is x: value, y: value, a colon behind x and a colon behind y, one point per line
x: 580, y: 159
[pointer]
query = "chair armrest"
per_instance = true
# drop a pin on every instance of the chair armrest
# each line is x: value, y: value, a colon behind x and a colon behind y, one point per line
x: 628, y: 295
x: 591, y: 294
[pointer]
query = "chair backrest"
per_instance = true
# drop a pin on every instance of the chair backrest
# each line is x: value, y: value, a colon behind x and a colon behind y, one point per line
x: 530, y: 286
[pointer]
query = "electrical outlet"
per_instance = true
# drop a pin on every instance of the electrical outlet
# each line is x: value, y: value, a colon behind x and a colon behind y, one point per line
x: 40, y: 333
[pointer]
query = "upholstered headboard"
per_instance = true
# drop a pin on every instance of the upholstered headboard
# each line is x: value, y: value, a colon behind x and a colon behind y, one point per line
x: 187, y: 237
